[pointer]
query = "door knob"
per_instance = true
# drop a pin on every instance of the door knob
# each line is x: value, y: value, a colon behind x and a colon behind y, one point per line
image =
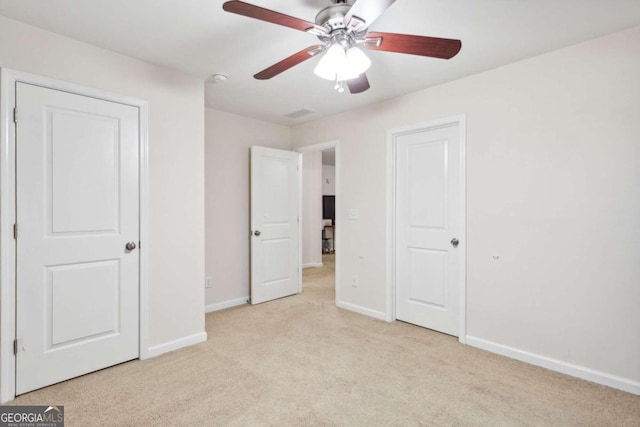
x: 130, y: 246
x: 455, y: 242
x: 257, y: 233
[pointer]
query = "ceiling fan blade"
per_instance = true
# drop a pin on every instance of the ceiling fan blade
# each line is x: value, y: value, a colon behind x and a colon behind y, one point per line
x: 414, y: 45
x: 257, y: 12
x: 289, y: 62
x: 367, y: 10
x: 359, y: 84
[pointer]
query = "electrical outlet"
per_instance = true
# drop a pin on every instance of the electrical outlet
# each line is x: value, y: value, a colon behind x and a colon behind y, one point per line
x: 208, y: 282
x: 355, y: 281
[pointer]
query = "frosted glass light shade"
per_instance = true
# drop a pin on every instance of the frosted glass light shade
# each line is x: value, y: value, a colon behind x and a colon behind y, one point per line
x: 331, y: 63
x: 338, y: 64
x: 357, y: 61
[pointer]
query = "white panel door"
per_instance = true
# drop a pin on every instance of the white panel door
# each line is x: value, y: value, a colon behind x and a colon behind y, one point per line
x: 77, y: 208
x: 427, y: 220
x: 275, y: 228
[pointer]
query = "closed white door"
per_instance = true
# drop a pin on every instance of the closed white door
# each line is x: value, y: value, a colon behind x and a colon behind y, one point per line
x: 427, y: 225
x: 275, y: 227
x: 76, y: 208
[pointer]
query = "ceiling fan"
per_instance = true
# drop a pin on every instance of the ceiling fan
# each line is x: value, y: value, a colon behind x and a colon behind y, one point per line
x: 342, y: 28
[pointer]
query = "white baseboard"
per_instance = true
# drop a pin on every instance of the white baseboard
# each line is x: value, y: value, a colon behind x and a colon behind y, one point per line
x: 166, y: 347
x: 362, y: 310
x: 225, y: 304
x: 312, y: 264
x: 578, y: 371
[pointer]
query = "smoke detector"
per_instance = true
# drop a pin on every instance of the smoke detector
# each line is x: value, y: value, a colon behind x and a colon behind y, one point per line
x: 217, y: 78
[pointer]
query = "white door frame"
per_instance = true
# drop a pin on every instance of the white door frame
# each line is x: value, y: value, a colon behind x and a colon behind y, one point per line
x: 392, y: 135
x: 336, y: 233
x: 8, y: 80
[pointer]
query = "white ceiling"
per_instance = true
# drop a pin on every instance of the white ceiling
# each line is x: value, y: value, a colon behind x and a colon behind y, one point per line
x: 199, y: 38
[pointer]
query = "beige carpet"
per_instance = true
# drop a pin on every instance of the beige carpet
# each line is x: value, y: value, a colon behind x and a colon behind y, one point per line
x: 302, y: 361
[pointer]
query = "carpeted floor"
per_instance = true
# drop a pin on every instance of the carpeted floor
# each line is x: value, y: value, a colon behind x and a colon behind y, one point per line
x: 302, y: 361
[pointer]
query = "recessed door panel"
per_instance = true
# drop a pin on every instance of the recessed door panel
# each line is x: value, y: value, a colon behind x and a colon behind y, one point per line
x: 427, y: 181
x: 83, y: 300
x: 427, y: 277
x: 275, y: 261
x: 276, y: 207
x: 83, y: 162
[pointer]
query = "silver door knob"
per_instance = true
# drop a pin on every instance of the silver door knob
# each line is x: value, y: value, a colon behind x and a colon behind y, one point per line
x: 455, y: 242
x: 130, y: 246
x: 257, y: 233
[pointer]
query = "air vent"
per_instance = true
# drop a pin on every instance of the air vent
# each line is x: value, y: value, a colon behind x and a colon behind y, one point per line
x: 300, y: 113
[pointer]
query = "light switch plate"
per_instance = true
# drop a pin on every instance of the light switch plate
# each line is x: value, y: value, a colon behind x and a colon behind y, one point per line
x: 354, y: 214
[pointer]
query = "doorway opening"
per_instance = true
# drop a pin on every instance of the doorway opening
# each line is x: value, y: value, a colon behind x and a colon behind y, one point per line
x: 319, y: 221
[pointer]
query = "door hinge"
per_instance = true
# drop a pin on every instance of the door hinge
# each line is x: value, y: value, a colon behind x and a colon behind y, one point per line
x: 15, y: 346
x: 15, y: 231
x: 15, y: 115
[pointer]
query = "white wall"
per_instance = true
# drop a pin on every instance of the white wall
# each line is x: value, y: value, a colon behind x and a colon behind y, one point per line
x: 328, y: 180
x: 553, y: 177
x: 312, y: 209
x: 228, y: 138
x: 176, y: 163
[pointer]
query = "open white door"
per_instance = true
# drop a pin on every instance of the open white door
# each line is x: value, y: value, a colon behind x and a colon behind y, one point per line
x: 275, y: 227
x: 77, y: 212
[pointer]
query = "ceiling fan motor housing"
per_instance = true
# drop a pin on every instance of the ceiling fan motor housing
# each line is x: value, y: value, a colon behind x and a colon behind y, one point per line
x: 332, y: 17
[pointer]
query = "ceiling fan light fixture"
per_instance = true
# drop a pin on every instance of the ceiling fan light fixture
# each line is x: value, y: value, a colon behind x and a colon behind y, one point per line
x: 331, y: 64
x: 340, y: 27
x: 339, y: 64
x: 357, y: 61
